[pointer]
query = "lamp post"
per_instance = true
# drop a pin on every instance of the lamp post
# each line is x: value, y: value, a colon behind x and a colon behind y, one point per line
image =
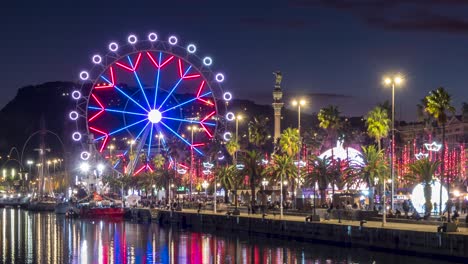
x: 298, y: 103
x: 131, y: 143
x: 281, y: 196
x: 192, y: 129
x: 238, y: 118
x: 264, y: 183
x: 393, y: 81
x: 205, y: 186
x: 30, y: 163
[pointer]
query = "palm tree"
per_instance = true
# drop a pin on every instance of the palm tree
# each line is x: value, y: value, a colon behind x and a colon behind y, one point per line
x: 438, y: 104
x: 373, y: 169
x: 232, y: 146
x: 289, y: 142
x: 158, y: 161
x: 251, y: 159
x: 425, y: 170
x: 319, y: 174
x: 229, y: 180
x: 282, y: 167
x: 378, y: 124
x: 258, y: 132
x: 329, y: 119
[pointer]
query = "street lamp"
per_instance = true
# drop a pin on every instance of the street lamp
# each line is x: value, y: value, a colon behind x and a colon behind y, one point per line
x: 264, y: 183
x: 205, y: 186
x: 131, y: 143
x: 84, y: 167
x: 111, y: 147
x: 30, y: 163
x: 298, y: 103
x: 159, y: 137
x: 281, y: 195
x: 192, y: 129
x: 396, y: 80
x: 238, y: 118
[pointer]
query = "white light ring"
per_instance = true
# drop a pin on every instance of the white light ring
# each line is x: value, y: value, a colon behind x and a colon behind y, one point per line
x: 172, y: 40
x: 191, y: 48
x: 227, y: 136
x: 97, y: 59
x: 227, y: 96
x: 132, y: 39
x: 219, y: 77
x: 76, y: 95
x: 84, y: 75
x: 152, y: 37
x: 76, y: 136
x: 230, y: 116
x: 73, y: 115
x: 207, y: 61
x: 113, y: 46
x: 85, y: 155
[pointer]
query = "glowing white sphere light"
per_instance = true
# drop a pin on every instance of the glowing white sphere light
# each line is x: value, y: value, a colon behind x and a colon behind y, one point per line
x: 417, y: 196
x: 76, y: 95
x: 97, y: 59
x: 191, y: 48
x: 207, y: 61
x: 113, y: 46
x: 73, y: 115
x: 230, y: 116
x: 76, y: 136
x: 338, y: 152
x: 85, y: 155
x: 84, y: 75
x: 219, y: 77
x: 172, y: 40
x: 132, y: 39
x: 227, y: 96
x: 154, y: 116
x: 227, y: 136
x: 152, y: 37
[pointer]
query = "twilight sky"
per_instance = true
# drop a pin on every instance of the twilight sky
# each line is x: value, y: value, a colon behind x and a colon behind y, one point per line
x: 334, y: 51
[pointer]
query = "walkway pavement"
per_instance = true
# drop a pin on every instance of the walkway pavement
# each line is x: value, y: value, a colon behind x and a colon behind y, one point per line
x: 373, y: 224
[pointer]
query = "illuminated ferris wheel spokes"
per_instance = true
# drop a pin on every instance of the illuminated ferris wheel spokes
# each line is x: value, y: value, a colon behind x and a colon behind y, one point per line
x: 156, y: 114
x: 169, y: 93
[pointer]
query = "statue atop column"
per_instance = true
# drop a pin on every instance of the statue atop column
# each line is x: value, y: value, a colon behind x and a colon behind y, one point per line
x: 277, y: 104
x: 278, y: 77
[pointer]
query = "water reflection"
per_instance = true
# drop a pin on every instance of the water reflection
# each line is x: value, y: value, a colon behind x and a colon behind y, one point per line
x: 47, y: 238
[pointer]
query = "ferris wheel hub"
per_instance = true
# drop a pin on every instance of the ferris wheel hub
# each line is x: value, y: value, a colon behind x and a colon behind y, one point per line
x: 154, y: 116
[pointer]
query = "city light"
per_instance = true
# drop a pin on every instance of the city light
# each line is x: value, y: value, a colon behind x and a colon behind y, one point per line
x: 84, y: 167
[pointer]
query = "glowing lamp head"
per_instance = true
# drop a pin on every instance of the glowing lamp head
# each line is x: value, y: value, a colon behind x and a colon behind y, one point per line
x: 387, y: 81
x: 84, y: 167
x: 302, y: 102
x: 294, y: 103
x: 154, y: 116
x: 398, y: 80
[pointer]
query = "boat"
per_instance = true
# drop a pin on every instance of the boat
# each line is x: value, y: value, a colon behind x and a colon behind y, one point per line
x: 43, y: 204
x: 63, y: 207
x: 97, y: 206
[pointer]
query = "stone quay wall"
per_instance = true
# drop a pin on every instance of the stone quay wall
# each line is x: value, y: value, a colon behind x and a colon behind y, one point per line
x: 453, y: 245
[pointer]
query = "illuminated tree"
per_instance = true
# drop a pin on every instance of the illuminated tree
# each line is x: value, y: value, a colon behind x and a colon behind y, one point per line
x: 438, y: 104
x: 425, y: 169
x: 378, y: 124
x: 372, y: 170
x: 329, y: 119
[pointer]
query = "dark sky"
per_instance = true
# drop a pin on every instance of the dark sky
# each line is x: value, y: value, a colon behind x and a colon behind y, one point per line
x: 337, y: 51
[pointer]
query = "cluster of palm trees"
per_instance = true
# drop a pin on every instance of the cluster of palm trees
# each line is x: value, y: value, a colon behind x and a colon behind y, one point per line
x: 318, y: 172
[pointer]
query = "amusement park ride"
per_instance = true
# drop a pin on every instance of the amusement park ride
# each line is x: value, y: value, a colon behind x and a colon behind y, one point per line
x: 147, y: 92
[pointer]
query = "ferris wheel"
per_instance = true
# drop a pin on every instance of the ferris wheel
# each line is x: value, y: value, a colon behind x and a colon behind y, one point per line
x: 144, y: 92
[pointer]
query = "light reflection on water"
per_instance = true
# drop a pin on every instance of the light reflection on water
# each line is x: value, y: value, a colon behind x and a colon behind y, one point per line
x: 46, y: 238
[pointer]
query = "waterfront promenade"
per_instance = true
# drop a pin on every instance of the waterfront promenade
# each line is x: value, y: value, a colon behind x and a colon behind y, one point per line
x: 421, y: 225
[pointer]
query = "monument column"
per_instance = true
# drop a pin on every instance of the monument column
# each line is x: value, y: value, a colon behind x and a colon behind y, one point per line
x: 277, y: 104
